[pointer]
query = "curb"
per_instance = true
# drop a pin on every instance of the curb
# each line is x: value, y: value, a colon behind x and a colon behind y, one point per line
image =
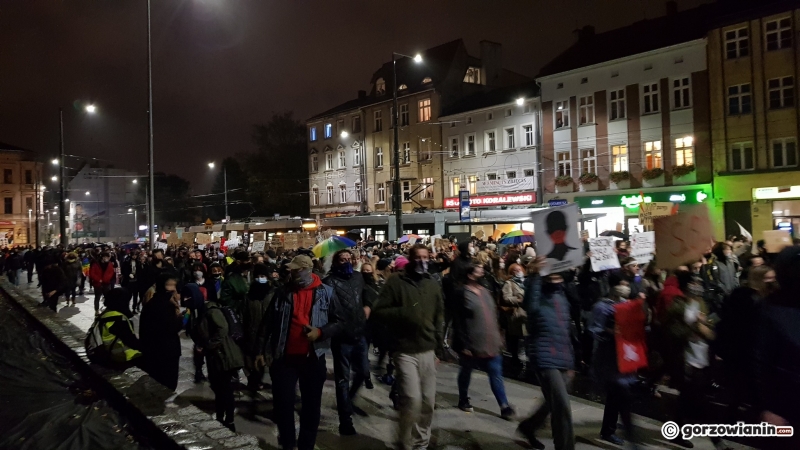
x: 147, y: 403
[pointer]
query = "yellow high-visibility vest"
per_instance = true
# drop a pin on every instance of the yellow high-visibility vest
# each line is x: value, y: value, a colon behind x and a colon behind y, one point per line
x: 119, y: 352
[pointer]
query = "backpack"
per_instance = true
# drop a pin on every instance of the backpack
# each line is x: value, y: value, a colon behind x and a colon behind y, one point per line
x: 202, y: 335
x: 93, y: 343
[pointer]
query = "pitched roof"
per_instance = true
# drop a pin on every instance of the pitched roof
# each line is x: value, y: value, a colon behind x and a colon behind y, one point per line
x: 499, y: 96
x: 8, y: 147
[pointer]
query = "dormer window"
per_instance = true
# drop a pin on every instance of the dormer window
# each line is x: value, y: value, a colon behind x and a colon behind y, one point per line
x: 380, y: 87
x: 402, y: 86
x: 427, y: 80
x: 473, y: 75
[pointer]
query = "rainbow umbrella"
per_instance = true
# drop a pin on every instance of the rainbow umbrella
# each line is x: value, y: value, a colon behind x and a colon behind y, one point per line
x: 517, y: 237
x: 331, y: 245
x: 405, y: 238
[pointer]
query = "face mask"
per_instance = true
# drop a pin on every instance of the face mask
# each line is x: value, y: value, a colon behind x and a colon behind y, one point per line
x: 261, y: 280
x: 421, y: 267
x: 472, y: 251
x: 346, y: 268
x: 369, y: 255
x: 216, y: 276
x: 368, y: 278
x: 198, y: 275
x: 519, y: 276
x: 622, y: 291
x: 303, y: 277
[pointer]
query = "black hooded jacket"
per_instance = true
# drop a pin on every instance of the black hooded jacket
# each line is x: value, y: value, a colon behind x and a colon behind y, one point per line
x: 350, y: 291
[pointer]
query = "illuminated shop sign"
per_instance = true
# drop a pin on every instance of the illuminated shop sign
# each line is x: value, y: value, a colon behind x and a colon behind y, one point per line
x: 494, y: 200
x: 632, y: 201
x: 773, y: 192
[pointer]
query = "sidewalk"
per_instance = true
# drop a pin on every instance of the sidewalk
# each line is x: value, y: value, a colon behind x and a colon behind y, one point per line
x: 452, y: 428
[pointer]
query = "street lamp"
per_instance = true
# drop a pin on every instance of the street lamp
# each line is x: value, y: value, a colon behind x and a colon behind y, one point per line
x: 54, y: 178
x: 91, y: 109
x: 87, y: 192
x: 344, y: 134
x: 397, y: 204
x: 54, y: 161
x: 520, y: 101
x: 62, y: 220
x: 135, y: 181
x: 135, y: 221
x: 225, y: 186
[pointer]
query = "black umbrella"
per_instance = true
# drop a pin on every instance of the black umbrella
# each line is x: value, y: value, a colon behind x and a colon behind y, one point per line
x: 371, y: 244
x: 355, y: 233
x: 614, y: 233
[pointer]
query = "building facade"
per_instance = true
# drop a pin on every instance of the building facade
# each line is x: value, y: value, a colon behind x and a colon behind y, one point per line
x: 99, y: 200
x: 754, y: 61
x: 21, y: 188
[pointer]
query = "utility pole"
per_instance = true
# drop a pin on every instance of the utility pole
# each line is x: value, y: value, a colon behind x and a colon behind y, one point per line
x: 151, y: 197
x: 397, y: 204
x: 62, y: 205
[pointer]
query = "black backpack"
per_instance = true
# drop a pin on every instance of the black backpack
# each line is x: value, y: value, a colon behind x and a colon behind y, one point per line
x: 235, y: 328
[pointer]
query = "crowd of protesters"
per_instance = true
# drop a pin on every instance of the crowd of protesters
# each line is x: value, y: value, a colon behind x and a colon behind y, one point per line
x: 729, y: 319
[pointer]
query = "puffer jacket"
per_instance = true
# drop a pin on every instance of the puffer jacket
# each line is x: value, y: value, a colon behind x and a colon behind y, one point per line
x: 549, y: 326
x: 222, y: 353
x: 350, y: 292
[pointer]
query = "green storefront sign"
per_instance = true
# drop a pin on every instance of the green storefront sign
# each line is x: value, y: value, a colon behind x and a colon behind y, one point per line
x: 631, y: 201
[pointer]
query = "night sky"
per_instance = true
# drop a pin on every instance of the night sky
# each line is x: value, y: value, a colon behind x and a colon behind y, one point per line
x: 220, y: 66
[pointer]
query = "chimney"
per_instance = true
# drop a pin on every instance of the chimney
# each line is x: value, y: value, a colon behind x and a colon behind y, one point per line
x: 585, y: 34
x: 492, y: 61
x: 672, y: 8
x: 362, y: 94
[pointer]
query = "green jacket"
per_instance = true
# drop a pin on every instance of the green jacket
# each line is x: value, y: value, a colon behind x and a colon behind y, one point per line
x: 222, y: 353
x: 413, y: 312
x: 253, y: 314
x: 233, y: 292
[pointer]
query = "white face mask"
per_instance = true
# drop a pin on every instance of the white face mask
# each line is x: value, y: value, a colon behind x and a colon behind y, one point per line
x: 198, y: 275
x: 261, y: 280
x: 622, y: 291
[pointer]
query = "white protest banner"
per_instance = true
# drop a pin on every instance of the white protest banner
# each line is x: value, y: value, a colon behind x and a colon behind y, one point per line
x: 258, y: 246
x: 643, y: 245
x: 232, y: 243
x: 683, y: 237
x: 776, y: 240
x: 161, y: 245
x: 557, y: 237
x: 603, y: 255
x: 650, y: 211
x: 201, y: 247
x: 233, y: 234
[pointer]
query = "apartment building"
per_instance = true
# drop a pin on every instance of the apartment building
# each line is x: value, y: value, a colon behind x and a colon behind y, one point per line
x: 21, y: 188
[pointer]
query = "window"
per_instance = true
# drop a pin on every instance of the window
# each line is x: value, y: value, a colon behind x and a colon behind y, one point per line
x: 342, y: 159
x: 469, y: 120
x: 455, y: 186
x: 28, y: 203
x: 28, y: 177
x: 491, y: 175
x: 473, y: 75
x: 425, y: 149
x: 511, y: 174
x: 508, y: 113
x: 427, y: 188
x: 529, y: 172
x: 619, y: 158
x: 489, y: 142
x: 528, y: 108
x: 739, y: 101
x: 617, y: 99
x: 339, y: 126
x: 584, y: 80
x: 328, y: 130
x: 778, y: 34
x: 357, y: 190
x: 527, y: 132
x: 315, y: 196
x: 378, y: 121
x: 424, y: 110
x: 427, y: 80
x: 406, y: 153
x: 342, y: 193
x: 650, y: 98
x: 404, y: 115
x: 406, y: 191
x: 490, y: 116
x: 742, y: 156
x: 356, y: 124
x: 8, y: 177
x: 737, y: 43
x: 781, y: 92
x: 378, y: 157
x: 454, y: 147
x: 473, y: 184
x: 312, y: 134
x: 560, y: 86
x: 684, y: 151
x: 328, y: 161
x: 652, y: 155
x: 586, y: 110
x: 8, y: 205
x: 784, y: 153
x: 380, y: 197
x: 357, y: 157
x: 469, y: 147
x: 563, y: 164
x: 380, y: 87
x: 588, y: 161
x: 314, y: 163
x: 329, y: 188
x: 510, y: 142
x: 562, y: 114
x: 681, y: 93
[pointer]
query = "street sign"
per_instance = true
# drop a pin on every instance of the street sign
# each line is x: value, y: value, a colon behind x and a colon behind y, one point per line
x: 557, y: 202
x: 463, y: 205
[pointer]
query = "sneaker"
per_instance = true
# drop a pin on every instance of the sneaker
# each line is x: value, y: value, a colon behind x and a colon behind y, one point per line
x: 681, y: 442
x: 347, y: 430
x: 530, y: 436
x: 508, y: 413
x: 613, y: 438
x: 465, y: 406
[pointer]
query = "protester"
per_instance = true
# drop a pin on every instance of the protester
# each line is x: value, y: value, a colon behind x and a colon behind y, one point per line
x: 159, y: 324
x: 52, y: 281
x: 121, y: 342
x: 72, y: 270
x: 254, y: 313
x: 102, y: 278
x: 513, y: 293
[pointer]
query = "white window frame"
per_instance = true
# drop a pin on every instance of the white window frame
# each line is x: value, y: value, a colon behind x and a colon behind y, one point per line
x: 650, y: 95
x: 563, y: 160
x: 588, y: 162
x: 342, y: 159
x: 377, y: 121
x: 736, y: 94
x: 454, y: 147
x: 529, y: 135
x: 357, y: 160
x: 684, y: 146
x: 406, y: 189
x: 655, y: 151
x: 784, y: 84
x: 525, y: 172
x: 510, y: 140
x: 455, y: 186
x: 586, y: 110
x: 405, y: 152
x: 742, y: 148
x: 620, y: 161
x: 315, y: 195
x: 342, y: 192
x: 737, y: 43
x: 469, y: 141
x: 328, y: 160
x: 380, y: 195
x: 314, y: 164
x: 489, y: 141
x: 404, y: 118
x: 472, y: 184
x: 357, y: 190
x: 328, y: 130
x: 427, y: 191
x: 424, y: 110
x: 425, y: 153
x: 312, y: 133
x: 378, y: 157
x: 617, y: 105
x: 562, y: 113
x: 781, y: 28
x: 681, y: 92
x: 329, y: 191
x: 783, y: 142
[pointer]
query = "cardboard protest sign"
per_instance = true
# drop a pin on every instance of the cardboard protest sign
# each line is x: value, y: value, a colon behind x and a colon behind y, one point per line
x: 232, y: 243
x: 258, y: 246
x: 203, y: 238
x: 683, y: 237
x: 603, y: 255
x: 308, y: 240
x: 643, y: 245
x: 173, y: 239
x: 259, y: 236
x: 291, y: 240
x: 650, y: 211
x: 188, y: 238
x: 557, y: 238
x: 776, y: 240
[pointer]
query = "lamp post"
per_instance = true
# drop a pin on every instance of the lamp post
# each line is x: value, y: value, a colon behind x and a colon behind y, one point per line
x: 62, y: 221
x: 151, y: 195
x: 30, y: 211
x: 225, y: 186
x: 135, y: 221
x: 397, y: 204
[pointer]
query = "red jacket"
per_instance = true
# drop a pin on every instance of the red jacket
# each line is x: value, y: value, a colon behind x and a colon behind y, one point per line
x: 99, y: 277
x: 667, y: 295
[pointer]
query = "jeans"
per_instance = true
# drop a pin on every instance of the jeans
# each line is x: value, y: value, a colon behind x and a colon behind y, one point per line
x: 311, y: 372
x: 554, y: 384
x: 493, y: 366
x: 222, y: 385
x: 17, y: 276
x: 618, y: 404
x: 416, y: 386
x: 346, y: 358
